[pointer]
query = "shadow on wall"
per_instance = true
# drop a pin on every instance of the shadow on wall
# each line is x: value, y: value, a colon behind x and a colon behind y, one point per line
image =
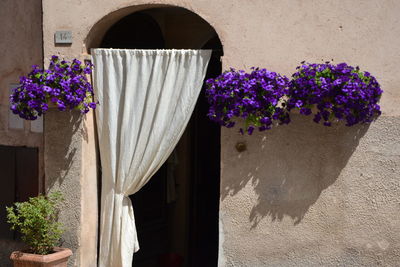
x: 289, y: 166
x: 60, y: 146
x: 63, y: 135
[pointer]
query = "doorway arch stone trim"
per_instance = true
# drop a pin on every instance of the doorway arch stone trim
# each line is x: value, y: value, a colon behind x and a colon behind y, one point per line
x: 102, y: 25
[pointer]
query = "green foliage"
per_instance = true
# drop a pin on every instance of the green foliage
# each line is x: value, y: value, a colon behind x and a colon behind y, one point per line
x: 36, y: 220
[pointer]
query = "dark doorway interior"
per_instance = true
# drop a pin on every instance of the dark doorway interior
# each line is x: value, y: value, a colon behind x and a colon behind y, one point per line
x: 136, y: 31
x: 205, y: 178
x: 177, y: 211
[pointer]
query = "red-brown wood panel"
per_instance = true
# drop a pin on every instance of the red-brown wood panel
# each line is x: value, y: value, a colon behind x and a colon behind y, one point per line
x: 19, y: 180
x: 27, y: 172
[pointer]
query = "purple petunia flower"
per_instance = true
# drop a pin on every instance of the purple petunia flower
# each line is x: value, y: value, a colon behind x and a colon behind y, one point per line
x: 63, y: 83
x: 339, y: 92
x: 254, y: 96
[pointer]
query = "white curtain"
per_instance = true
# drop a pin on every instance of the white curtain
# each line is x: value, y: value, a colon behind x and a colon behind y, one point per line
x: 146, y: 100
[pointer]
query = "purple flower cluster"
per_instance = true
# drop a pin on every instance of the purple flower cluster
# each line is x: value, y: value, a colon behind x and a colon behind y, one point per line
x: 330, y: 92
x: 64, y: 84
x: 253, y: 96
x: 339, y: 92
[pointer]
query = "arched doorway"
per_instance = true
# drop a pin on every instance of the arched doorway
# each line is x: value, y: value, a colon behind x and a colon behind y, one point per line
x: 177, y: 211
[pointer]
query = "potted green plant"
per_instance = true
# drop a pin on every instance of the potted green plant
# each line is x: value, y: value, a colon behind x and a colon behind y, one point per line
x: 36, y: 221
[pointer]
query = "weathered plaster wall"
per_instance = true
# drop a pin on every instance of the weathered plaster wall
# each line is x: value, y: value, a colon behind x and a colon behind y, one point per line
x: 20, y: 47
x: 64, y: 135
x: 313, y: 196
x: 301, y: 195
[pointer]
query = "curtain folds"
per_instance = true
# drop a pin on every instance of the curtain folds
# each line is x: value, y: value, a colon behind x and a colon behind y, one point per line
x: 146, y: 100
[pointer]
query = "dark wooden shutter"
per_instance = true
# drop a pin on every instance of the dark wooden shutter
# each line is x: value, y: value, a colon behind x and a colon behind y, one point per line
x: 7, y: 187
x: 19, y: 180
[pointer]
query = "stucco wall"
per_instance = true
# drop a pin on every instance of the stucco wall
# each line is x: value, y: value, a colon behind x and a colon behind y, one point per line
x: 20, y: 47
x: 301, y: 195
x: 312, y: 196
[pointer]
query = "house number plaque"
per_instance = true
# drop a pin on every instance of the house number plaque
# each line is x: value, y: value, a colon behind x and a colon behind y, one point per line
x: 63, y: 37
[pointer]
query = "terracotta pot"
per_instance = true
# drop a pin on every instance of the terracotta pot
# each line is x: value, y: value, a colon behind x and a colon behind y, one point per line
x: 57, y: 259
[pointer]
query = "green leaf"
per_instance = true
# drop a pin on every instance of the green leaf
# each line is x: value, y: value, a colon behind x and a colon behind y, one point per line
x: 36, y: 220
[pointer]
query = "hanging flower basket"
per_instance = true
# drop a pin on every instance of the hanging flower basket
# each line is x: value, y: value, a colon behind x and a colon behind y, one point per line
x: 63, y: 84
x: 334, y: 93
x: 254, y: 96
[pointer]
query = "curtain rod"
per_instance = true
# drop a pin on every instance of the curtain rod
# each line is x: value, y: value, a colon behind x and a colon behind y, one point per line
x: 88, y: 55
